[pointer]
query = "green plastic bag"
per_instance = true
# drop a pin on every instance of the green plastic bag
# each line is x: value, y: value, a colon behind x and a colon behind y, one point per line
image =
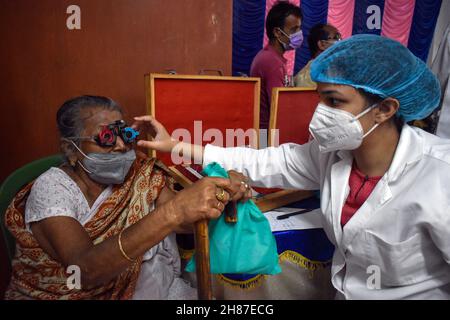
x: 247, y: 246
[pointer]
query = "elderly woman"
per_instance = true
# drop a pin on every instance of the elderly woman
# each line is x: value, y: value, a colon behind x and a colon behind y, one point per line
x: 384, y: 185
x: 107, y: 213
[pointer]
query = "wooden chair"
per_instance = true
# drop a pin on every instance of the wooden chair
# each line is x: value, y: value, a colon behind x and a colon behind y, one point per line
x: 200, y: 109
x: 9, y: 188
x: 291, y: 112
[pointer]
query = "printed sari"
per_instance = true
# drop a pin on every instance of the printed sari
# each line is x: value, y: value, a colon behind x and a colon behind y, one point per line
x: 35, y: 275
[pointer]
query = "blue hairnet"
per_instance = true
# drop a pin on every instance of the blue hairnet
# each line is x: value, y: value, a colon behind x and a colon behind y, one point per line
x: 383, y: 67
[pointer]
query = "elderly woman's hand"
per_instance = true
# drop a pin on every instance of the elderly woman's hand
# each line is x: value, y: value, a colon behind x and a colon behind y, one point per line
x: 205, y: 199
x: 240, y: 189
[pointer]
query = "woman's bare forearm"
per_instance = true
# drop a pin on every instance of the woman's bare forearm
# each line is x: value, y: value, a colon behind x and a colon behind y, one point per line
x: 104, y: 261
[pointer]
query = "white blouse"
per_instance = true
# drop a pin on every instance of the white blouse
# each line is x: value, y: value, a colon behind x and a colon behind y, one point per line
x: 54, y: 193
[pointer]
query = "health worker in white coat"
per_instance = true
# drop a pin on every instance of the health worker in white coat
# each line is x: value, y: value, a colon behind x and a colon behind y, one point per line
x: 385, y: 186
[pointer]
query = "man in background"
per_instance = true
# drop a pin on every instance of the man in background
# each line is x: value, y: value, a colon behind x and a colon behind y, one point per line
x: 321, y: 37
x: 283, y: 30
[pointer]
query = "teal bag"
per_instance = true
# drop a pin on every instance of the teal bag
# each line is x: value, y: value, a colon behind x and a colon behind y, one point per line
x: 247, y: 246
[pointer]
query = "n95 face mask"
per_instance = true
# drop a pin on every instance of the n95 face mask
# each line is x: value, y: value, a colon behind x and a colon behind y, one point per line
x: 335, y: 129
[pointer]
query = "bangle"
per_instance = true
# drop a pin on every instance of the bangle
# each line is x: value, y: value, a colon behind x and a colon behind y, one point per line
x: 121, y: 248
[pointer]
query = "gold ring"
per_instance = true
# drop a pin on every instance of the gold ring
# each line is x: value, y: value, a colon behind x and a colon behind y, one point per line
x: 245, y: 185
x: 221, y: 196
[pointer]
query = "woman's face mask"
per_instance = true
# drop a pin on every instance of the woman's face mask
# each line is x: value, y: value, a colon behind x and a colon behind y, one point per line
x: 107, y: 168
x: 335, y: 129
x: 295, y: 40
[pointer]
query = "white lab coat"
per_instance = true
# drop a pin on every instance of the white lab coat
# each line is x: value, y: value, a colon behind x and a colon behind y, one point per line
x: 441, y: 68
x: 403, y: 228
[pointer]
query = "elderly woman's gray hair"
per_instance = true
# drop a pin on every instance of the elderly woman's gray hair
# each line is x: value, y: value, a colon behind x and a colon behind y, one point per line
x: 69, y: 117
